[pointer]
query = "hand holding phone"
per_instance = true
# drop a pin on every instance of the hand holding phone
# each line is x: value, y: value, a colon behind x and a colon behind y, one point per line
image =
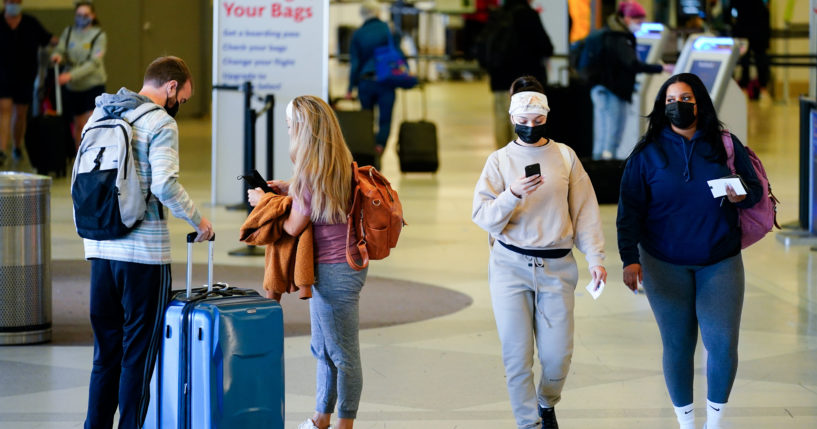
x: 255, y: 180
x: 529, y: 183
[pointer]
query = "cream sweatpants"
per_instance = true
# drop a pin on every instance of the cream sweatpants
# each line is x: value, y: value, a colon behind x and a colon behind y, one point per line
x: 533, y: 300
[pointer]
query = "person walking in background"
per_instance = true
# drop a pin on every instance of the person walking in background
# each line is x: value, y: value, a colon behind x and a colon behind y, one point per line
x: 684, y: 244
x: 514, y: 43
x: 616, y: 82
x: 373, y: 34
x: 321, y: 188
x: 81, y: 50
x: 130, y: 276
x: 21, y: 35
x: 752, y: 23
x: 534, y: 222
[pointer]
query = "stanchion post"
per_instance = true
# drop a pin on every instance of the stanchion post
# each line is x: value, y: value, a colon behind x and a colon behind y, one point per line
x: 250, y: 116
x: 269, y: 101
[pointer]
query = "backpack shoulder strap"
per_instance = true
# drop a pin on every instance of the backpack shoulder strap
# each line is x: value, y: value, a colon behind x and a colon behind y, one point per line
x: 351, y: 231
x: 565, y: 157
x: 67, y: 43
x: 93, y: 41
x: 140, y: 111
x: 729, y: 146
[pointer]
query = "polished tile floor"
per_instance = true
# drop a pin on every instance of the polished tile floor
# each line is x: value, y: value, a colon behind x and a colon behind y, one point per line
x: 446, y: 372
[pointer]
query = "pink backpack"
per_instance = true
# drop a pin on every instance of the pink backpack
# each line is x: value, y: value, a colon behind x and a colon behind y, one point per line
x: 759, y: 219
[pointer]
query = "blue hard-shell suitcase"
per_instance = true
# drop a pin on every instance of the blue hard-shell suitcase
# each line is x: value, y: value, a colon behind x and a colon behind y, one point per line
x: 221, y: 364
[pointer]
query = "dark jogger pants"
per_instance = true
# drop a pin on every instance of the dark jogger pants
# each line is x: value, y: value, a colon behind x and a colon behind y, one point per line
x: 127, y: 306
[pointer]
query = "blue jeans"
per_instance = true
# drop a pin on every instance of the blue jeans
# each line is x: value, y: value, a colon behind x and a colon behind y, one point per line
x: 370, y: 93
x: 127, y: 307
x: 684, y: 297
x: 609, y: 113
x: 333, y: 311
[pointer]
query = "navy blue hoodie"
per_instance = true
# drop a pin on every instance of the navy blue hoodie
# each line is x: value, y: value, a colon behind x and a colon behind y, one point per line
x: 666, y: 205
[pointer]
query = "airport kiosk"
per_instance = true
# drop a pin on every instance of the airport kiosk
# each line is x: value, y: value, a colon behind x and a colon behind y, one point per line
x: 714, y: 59
x: 649, y: 48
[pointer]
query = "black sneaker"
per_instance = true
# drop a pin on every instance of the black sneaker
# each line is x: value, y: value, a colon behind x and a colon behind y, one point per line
x: 548, y: 418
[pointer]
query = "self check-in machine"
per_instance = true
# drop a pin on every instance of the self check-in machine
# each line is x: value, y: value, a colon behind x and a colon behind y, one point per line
x: 650, y: 41
x: 714, y: 59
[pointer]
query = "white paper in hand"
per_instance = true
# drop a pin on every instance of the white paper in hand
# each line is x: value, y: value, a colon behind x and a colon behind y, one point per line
x: 595, y: 292
x: 718, y: 186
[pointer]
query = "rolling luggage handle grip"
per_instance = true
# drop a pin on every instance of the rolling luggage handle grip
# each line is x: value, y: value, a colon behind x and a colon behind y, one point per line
x: 57, y: 89
x: 190, y: 239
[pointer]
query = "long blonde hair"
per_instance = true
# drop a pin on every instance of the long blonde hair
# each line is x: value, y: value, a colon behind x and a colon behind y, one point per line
x: 323, y: 163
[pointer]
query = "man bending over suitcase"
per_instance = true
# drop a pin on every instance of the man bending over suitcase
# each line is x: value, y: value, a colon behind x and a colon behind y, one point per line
x: 130, y: 276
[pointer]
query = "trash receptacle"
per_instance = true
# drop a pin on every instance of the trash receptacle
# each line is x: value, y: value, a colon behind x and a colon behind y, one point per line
x: 25, y: 258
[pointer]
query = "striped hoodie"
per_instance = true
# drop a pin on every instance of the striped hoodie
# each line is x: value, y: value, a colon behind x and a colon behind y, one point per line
x: 156, y: 154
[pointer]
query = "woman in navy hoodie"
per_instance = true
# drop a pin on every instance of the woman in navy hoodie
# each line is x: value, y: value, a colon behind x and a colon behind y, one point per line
x: 684, y: 243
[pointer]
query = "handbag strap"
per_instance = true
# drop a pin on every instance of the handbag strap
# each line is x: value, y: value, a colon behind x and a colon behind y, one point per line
x: 729, y: 146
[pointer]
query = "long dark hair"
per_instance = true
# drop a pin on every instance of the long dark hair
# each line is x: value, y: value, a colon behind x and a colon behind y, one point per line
x: 708, y: 122
x: 526, y: 83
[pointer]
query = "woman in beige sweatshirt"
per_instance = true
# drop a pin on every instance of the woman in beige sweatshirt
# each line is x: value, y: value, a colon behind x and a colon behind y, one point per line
x: 534, y: 221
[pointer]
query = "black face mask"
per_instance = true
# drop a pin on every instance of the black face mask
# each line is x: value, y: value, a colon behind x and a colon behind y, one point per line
x: 530, y: 134
x: 680, y: 113
x: 172, y: 110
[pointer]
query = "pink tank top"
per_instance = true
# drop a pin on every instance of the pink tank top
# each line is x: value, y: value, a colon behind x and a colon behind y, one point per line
x: 330, y: 239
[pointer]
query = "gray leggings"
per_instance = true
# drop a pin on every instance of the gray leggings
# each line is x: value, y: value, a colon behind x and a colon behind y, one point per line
x: 684, y: 297
x: 333, y: 311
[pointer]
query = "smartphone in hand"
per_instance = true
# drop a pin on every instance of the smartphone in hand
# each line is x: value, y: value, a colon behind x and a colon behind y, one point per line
x: 255, y: 180
x: 533, y: 169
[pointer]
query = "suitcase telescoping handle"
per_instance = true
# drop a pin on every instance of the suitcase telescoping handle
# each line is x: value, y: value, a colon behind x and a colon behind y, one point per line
x: 190, y: 239
x: 57, y: 89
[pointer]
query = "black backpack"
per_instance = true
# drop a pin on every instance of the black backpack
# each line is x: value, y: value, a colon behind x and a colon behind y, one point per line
x: 586, y: 56
x: 497, y: 43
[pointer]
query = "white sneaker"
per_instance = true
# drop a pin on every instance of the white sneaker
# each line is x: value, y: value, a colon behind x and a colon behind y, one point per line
x: 606, y: 155
x: 309, y: 424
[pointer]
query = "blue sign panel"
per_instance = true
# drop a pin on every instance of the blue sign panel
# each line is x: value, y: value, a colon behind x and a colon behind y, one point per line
x: 813, y: 175
x: 642, y: 49
x: 706, y: 70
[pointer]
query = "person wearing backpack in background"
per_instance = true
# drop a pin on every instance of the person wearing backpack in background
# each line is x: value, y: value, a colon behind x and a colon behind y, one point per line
x: 613, y: 80
x: 373, y: 34
x: 130, y: 276
x: 685, y: 244
x: 534, y: 221
x: 82, y: 48
x: 514, y: 43
x: 321, y: 191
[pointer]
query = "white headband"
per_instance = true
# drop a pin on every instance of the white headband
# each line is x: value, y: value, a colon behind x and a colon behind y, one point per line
x: 529, y: 102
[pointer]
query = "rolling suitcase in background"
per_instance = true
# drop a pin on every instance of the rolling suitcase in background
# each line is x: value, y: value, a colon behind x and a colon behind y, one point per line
x: 48, y: 138
x: 357, y: 127
x: 417, y: 143
x: 605, y: 175
x: 221, y: 363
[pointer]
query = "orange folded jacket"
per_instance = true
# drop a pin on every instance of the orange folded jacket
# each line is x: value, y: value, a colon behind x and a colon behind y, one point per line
x: 288, y: 261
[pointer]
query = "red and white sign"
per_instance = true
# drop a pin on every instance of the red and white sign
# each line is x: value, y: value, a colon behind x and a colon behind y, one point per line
x: 281, y: 46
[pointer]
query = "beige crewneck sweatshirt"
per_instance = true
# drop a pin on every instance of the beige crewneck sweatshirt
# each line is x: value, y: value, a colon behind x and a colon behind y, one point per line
x: 562, y: 212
